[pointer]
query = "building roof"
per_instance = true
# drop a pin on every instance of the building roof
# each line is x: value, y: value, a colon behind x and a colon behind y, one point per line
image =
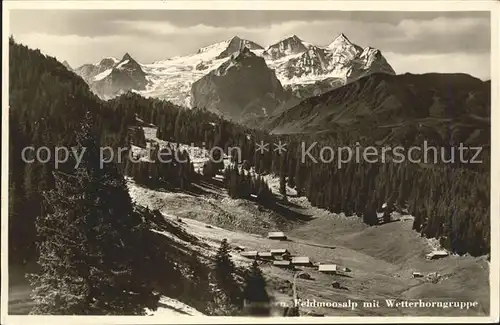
x: 265, y: 254
x: 279, y: 251
x: 276, y: 234
x: 438, y: 253
x: 281, y: 263
x: 300, y: 259
x: 249, y: 253
x: 328, y: 268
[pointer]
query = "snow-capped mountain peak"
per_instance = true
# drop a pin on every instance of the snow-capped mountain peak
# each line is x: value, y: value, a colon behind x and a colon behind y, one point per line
x: 127, y: 57
x: 294, y: 38
x: 343, y: 50
x: 287, y: 46
x: 340, y: 41
x: 235, y: 44
x: 225, y: 48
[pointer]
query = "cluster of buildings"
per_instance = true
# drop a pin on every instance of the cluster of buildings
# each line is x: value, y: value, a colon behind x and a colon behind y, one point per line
x: 281, y: 257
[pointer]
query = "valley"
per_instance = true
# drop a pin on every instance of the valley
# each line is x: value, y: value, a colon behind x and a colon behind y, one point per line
x: 381, y: 258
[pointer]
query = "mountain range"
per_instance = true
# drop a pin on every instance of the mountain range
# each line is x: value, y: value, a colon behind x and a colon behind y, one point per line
x: 293, y: 70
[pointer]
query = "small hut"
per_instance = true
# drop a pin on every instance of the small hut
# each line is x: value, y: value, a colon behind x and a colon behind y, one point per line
x: 301, y: 260
x: 249, y: 254
x: 265, y: 255
x: 281, y: 253
x: 436, y: 254
x: 277, y: 235
x: 328, y: 268
x: 417, y: 275
x: 284, y: 264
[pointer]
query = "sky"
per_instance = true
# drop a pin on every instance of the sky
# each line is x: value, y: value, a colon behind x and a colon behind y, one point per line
x: 416, y: 42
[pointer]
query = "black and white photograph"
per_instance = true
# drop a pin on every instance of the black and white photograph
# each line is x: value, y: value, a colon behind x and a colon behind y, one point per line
x: 184, y: 161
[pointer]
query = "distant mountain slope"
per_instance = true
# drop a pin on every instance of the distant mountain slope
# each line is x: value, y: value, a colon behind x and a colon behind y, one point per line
x: 288, y: 46
x: 381, y: 106
x: 111, y: 77
x: 89, y: 71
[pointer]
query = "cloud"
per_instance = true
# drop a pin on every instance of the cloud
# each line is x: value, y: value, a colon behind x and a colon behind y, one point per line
x: 167, y: 28
x: 439, y: 35
x: 442, y: 35
x: 78, y: 50
x: 442, y: 25
x: 475, y: 64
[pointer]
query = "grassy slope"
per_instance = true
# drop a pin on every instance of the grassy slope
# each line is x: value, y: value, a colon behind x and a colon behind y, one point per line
x: 382, y: 258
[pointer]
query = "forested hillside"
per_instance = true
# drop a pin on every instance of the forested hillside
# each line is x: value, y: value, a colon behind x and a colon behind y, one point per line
x: 47, y: 103
x: 94, y: 248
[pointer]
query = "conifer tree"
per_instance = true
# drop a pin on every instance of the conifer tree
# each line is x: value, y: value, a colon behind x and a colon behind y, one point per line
x: 254, y: 291
x: 224, y: 272
x: 93, y: 246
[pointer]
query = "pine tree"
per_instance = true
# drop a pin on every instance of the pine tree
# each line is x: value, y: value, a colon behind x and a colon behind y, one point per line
x: 93, y: 246
x: 220, y: 305
x: 255, y: 293
x: 224, y: 272
x: 370, y: 214
x: 283, y: 179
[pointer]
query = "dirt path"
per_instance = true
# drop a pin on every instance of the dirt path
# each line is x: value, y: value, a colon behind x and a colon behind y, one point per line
x: 310, y: 243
